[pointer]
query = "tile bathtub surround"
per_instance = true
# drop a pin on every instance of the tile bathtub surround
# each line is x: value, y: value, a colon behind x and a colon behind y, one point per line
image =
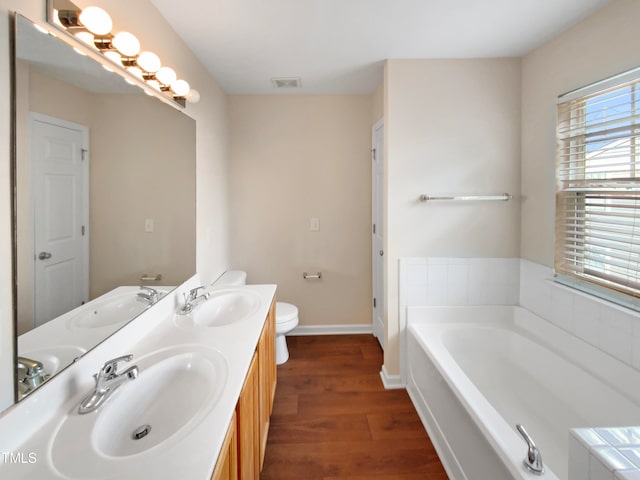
x: 605, y: 325
x: 604, y: 453
x: 459, y: 281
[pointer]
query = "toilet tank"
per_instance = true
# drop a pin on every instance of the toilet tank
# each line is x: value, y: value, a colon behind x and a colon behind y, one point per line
x: 232, y: 278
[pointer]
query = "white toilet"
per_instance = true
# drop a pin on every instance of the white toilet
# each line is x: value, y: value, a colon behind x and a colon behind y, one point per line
x: 286, y: 314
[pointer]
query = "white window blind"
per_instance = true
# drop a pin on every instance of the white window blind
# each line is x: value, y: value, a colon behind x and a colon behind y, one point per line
x: 598, y: 185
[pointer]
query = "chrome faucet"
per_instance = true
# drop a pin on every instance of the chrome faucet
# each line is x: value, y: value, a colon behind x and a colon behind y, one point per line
x: 107, y: 381
x: 31, y: 374
x: 533, y: 460
x: 192, y: 300
x: 149, y: 295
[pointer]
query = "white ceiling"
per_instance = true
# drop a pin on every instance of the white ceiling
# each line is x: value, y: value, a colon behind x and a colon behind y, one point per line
x: 338, y: 46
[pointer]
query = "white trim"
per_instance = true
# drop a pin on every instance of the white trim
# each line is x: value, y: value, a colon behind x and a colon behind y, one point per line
x: 303, y: 330
x: 391, y: 382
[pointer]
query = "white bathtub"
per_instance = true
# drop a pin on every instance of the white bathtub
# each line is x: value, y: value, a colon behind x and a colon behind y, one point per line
x: 475, y: 372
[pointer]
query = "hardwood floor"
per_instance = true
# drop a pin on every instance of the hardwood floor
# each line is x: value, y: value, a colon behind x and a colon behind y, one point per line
x: 333, y: 420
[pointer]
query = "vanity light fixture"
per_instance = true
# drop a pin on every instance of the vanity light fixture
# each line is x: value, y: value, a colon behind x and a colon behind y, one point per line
x: 93, y: 26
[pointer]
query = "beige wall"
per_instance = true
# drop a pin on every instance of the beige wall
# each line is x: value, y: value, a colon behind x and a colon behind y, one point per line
x: 293, y: 158
x: 602, y: 45
x: 151, y: 166
x: 145, y: 21
x: 451, y: 126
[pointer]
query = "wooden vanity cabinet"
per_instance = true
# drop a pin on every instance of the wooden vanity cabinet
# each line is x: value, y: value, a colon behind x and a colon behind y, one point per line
x: 227, y: 465
x: 255, y: 404
x: 247, y: 412
x: 268, y: 376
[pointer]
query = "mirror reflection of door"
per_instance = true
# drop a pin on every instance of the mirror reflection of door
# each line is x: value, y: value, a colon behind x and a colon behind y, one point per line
x: 60, y: 206
x: 377, y: 245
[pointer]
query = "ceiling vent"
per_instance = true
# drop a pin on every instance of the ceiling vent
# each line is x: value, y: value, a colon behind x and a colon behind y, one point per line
x: 286, y: 82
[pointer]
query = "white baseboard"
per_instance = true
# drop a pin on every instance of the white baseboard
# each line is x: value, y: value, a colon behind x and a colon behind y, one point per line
x: 331, y: 329
x: 391, y: 382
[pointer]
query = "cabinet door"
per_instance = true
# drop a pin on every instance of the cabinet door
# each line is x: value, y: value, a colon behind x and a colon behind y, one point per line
x: 248, y: 433
x: 271, y: 348
x: 227, y: 464
x: 267, y: 367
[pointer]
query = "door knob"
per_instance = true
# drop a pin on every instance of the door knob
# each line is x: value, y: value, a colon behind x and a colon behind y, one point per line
x: 44, y: 256
x: 381, y: 252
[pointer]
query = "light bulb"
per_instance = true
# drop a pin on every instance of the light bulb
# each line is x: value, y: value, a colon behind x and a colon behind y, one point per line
x: 96, y: 20
x: 166, y: 76
x: 180, y: 88
x: 87, y: 38
x: 149, y: 62
x: 193, y: 96
x: 127, y: 44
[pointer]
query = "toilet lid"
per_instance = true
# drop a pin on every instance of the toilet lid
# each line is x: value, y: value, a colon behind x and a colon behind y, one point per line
x: 285, y: 312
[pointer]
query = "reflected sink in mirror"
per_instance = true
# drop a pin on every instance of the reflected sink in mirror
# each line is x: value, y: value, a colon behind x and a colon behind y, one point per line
x: 175, y: 389
x: 222, y: 308
x: 112, y: 309
x: 54, y: 357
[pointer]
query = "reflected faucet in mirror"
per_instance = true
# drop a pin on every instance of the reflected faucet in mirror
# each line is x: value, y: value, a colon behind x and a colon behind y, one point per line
x: 149, y: 295
x: 31, y: 374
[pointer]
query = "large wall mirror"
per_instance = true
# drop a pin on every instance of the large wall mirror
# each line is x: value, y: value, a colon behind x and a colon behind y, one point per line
x: 104, y: 198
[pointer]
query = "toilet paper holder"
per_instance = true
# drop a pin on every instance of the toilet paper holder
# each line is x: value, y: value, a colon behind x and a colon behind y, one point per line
x: 145, y: 277
x: 308, y: 276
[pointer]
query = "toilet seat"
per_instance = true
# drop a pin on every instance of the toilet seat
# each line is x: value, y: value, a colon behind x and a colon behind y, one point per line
x: 285, y: 312
x: 286, y: 317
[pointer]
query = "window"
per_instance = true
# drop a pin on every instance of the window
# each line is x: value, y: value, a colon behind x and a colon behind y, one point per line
x: 598, y: 185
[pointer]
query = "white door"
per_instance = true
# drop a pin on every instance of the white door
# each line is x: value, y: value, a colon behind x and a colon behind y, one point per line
x: 377, y: 245
x: 60, y: 214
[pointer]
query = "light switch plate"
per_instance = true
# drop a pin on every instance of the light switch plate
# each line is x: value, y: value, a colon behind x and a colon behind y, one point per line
x: 148, y: 225
x: 314, y: 224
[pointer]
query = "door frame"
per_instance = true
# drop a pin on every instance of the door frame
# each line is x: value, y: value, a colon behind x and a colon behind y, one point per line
x: 377, y: 199
x: 84, y: 130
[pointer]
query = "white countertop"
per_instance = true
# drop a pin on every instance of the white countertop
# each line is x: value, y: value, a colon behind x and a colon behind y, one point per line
x: 28, y: 429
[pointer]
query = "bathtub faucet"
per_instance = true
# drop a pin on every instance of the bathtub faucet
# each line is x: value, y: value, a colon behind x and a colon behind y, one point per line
x: 533, y: 460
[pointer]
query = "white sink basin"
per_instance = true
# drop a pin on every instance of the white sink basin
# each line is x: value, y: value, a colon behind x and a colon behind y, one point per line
x: 110, y: 310
x: 175, y: 389
x: 224, y: 308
